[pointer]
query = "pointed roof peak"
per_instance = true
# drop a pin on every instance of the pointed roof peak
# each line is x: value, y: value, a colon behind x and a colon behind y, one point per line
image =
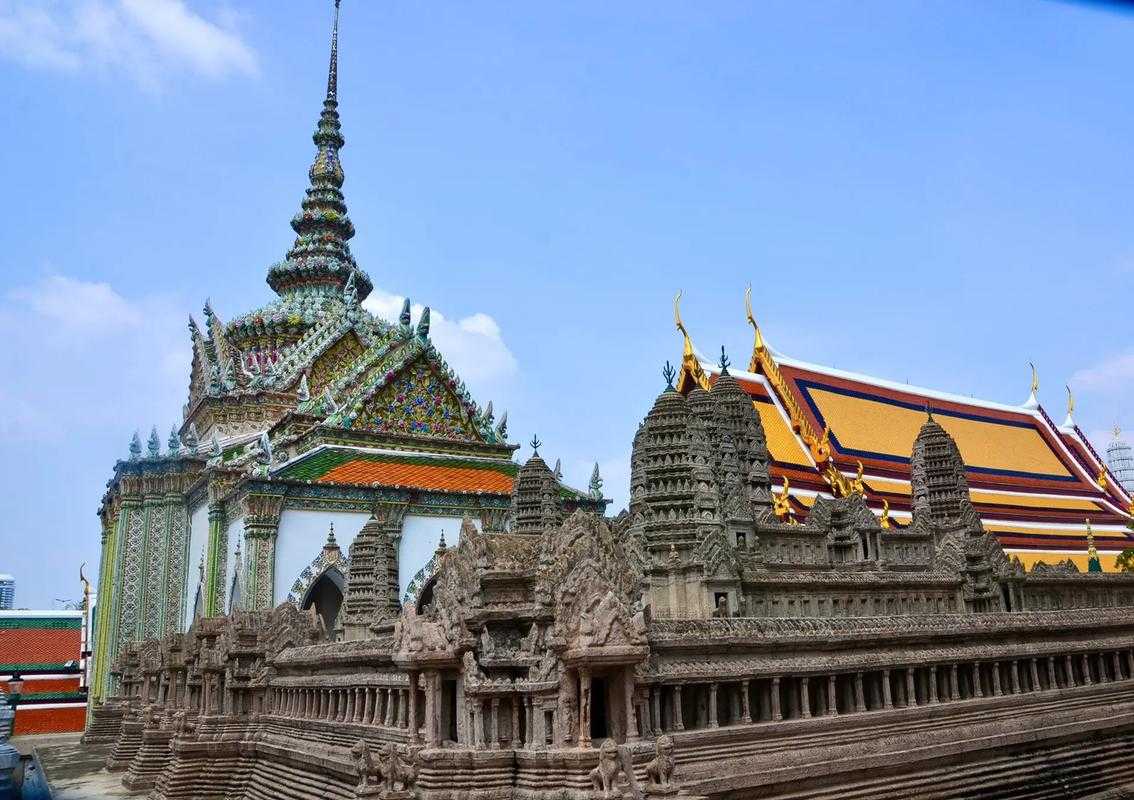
x: 333, y: 72
x: 320, y: 260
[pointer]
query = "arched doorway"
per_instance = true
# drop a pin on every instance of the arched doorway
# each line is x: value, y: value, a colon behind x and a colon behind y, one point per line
x: 325, y: 595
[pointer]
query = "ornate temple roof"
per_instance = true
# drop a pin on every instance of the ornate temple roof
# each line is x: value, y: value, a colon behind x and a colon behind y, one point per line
x: 410, y: 470
x: 1033, y: 483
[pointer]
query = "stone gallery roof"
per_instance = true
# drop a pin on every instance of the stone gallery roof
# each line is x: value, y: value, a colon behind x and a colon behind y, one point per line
x: 1034, y: 484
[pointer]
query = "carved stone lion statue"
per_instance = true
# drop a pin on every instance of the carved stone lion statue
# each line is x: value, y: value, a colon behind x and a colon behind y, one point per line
x: 659, y: 772
x: 606, y: 773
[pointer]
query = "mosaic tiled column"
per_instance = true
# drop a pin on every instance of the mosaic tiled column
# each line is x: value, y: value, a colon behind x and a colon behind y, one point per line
x: 261, y: 528
x: 217, y: 558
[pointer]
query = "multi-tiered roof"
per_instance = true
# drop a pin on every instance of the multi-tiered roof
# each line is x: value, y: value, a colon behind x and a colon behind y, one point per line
x: 345, y: 397
x: 1034, y: 484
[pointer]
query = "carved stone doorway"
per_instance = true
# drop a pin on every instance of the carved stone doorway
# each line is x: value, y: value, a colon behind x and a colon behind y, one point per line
x: 600, y: 721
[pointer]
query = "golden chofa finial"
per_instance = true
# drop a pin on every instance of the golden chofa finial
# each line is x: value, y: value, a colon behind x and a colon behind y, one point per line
x: 884, y: 521
x: 690, y: 366
x: 688, y: 351
x: 1033, y: 396
x: 758, y: 336
x: 1070, y: 400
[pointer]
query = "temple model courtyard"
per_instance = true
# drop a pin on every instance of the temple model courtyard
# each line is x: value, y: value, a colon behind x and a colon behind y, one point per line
x: 336, y: 581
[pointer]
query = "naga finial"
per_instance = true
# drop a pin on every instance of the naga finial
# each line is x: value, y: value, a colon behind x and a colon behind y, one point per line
x: 724, y: 362
x: 677, y: 314
x: 781, y: 503
x: 884, y: 521
x: 669, y: 373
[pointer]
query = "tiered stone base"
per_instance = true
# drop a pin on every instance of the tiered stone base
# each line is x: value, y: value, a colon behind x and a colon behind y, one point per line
x: 105, y: 725
x: 129, y: 741
x: 151, y: 758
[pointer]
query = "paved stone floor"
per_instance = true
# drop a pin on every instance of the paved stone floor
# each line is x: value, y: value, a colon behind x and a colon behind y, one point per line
x: 74, y: 772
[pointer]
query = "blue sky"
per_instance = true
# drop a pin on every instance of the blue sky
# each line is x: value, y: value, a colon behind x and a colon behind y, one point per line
x: 930, y: 192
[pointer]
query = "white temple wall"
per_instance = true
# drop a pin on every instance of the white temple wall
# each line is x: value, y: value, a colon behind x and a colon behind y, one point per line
x: 420, y: 537
x: 198, y: 543
x: 235, y: 535
x: 300, y: 540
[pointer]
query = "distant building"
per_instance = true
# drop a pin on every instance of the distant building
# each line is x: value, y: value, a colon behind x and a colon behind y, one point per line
x: 1120, y: 460
x: 44, y: 648
x: 7, y: 592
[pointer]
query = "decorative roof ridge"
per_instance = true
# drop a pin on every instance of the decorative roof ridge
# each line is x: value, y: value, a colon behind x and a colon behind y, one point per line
x: 322, y: 336
x: 422, y: 346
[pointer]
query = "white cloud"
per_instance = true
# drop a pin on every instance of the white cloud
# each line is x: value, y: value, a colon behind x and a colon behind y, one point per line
x: 1113, y: 375
x: 81, y: 356
x: 77, y: 306
x: 472, y: 345
x: 144, y: 38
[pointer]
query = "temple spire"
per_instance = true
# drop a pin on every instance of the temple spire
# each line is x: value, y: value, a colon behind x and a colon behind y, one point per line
x: 320, y: 261
x: 333, y: 72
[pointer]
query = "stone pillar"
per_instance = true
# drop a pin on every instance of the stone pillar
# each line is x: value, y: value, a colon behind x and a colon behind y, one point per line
x: 1086, y: 670
x: 804, y: 698
x: 432, y: 709
x: 1103, y: 676
x: 1130, y: 663
x: 954, y: 683
x: 911, y: 688
x: 1052, y: 681
x: 655, y: 710
x: 529, y: 723
x: 1034, y: 671
x: 1117, y: 664
x: 996, y: 690
x: 832, y: 697
x: 584, y: 707
x: 977, y: 691
x: 494, y: 724
x: 349, y: 706
x: 539, y: 726
x: 859, y: 695
x: 734, y: 704
x: 712, y: 721
x: 1015, y: 676
x: 777, y: 715
x: 745, y: 710
x: 516, y: 700
x: 933, y: 685
x: 414, y: 735
x: 368, y: 710
x: 887, y: 700
x: 478, y: 723
x: 678, y: 723
x: 631, y: 716
x: 402, y: 702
